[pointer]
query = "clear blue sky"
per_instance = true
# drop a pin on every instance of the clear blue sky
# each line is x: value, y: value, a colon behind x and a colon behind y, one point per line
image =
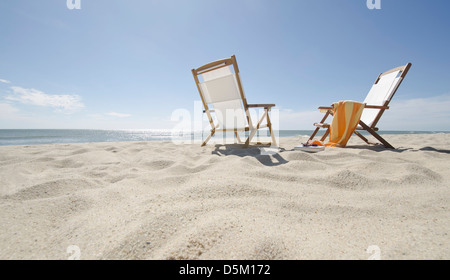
x: 126, y: 64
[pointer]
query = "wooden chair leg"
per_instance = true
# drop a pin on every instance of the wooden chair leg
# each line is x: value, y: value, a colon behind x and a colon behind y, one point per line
x: 258, y: 125
x: 362, y: 137
x: 376, y: 135
x: 318, y: 128
x: 209, y: 137
x: 314, y: 133
x: 269, y: 125
x: 237, y: 137
x: 250, y: 137
x: 325, y: 135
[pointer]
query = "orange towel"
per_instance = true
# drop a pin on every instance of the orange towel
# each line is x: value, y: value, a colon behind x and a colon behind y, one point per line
x: 346, y: 115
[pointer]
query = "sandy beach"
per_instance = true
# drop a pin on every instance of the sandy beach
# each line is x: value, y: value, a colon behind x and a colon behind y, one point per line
x: 158, y: 200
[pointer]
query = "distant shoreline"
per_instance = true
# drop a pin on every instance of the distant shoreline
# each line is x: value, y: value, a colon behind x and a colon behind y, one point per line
x: 17, y: 137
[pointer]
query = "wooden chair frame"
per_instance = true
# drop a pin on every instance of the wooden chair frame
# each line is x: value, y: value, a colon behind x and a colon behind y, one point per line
x: 214, y: 127
x: 372, y: 128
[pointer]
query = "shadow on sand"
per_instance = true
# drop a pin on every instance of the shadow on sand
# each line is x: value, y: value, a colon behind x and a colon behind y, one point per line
x: 431, y: 149
x: 276, y: 159
x: 239, y: 150
x: 378, y: 148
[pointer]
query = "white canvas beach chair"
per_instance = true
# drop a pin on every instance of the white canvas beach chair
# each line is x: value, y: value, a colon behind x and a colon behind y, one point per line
x: 376, y: 102
x: 220, y: 87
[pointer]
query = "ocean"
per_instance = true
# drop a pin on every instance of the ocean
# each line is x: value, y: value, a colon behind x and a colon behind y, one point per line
x: 59, y: 136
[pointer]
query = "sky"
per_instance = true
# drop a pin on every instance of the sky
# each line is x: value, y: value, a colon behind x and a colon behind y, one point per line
x: 116, y: 64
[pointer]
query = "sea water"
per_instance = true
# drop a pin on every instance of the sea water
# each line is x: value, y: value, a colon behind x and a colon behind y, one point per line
x: 60, y: 136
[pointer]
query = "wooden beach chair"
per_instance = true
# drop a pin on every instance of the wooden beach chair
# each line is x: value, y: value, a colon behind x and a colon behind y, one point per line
x: 376, y: 103
x: 219, y: 84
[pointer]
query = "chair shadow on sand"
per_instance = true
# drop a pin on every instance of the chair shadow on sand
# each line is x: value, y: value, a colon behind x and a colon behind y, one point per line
x: 431, y: 149
x: 381, y: 148
x: 239, y: 150
x: 276, y: 159
x: 378, y: 148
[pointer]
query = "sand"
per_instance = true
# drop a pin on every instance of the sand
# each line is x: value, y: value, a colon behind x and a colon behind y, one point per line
x: 158, y: 200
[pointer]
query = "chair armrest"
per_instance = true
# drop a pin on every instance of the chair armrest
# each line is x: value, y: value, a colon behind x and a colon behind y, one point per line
x: 211, y: 111
x: 260, y: 105
x: 325, y: 108
x: 376, y: 107
x: 366, y: 106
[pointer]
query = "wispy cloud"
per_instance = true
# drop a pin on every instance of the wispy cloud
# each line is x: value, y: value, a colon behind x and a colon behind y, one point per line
x: 62, y: 103
x: 430, y: 113
x: 4, y: 81
x: 119, y: 115
x: 6, y: 110
x: 290, y: 119
x: 10, y: 115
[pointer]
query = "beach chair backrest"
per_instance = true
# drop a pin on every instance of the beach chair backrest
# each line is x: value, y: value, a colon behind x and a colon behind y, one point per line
x: 221, y: 89
x: 382, y: 92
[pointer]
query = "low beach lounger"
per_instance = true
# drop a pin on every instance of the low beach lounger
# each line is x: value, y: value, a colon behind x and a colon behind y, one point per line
x: 376, y: 102
x: 221, y: 88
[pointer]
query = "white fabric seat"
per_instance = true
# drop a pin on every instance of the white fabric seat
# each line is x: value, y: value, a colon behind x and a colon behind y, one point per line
x: 222, y: 95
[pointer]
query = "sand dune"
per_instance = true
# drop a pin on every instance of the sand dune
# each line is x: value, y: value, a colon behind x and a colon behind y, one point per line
x: 158, y: 200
